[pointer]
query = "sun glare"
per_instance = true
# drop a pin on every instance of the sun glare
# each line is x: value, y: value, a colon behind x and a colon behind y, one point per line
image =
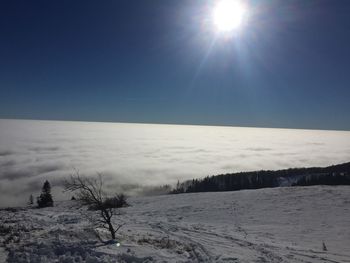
x: 228, y: 15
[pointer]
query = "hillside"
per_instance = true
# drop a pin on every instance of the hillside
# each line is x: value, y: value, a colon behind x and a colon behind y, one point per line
x: 331, y: 175
x: 266, y: 225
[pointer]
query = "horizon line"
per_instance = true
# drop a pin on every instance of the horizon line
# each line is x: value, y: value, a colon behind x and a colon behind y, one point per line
x: 177, y: 124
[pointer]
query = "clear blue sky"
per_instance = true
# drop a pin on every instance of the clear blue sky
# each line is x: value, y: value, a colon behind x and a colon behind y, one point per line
x: 160, y: 61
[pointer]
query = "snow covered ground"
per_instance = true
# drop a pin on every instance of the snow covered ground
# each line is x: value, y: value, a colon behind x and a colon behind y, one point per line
x: 267, y: 225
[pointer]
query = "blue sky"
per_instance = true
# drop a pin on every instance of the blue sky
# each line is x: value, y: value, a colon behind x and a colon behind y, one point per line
x: 161, y: 61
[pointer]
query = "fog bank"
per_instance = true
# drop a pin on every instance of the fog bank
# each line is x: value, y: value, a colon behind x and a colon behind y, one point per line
x: 149, y: 154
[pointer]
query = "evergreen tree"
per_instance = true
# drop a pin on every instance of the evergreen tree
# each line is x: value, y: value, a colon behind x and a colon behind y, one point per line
x: 45, y: 199
x: 31, y: 200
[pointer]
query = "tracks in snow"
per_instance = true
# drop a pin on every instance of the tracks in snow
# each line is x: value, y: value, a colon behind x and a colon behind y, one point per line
x: 208, y: 246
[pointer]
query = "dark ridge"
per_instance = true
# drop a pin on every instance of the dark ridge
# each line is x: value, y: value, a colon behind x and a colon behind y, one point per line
x: 331, y: 175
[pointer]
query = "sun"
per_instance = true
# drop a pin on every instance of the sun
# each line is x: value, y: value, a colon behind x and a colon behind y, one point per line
x: 228, y: 15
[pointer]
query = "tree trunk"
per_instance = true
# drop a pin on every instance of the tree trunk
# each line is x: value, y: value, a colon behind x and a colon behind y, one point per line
x: 111, y: 229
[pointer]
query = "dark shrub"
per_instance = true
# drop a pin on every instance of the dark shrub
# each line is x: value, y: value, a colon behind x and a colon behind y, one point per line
x: 116, y: 201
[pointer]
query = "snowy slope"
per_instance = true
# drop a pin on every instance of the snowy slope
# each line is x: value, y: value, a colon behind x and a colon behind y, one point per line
x: 267, y: 225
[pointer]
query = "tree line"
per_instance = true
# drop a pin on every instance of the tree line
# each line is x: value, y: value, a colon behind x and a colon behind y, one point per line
x: 331, y: 175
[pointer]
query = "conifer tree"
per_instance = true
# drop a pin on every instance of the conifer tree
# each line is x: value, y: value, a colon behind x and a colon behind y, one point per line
x: 45, y: 199
x: 31, y: 200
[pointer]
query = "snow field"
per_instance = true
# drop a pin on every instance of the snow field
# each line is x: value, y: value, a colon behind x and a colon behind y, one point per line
x: 266, y: 225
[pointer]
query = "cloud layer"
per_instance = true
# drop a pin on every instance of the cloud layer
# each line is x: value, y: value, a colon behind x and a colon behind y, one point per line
x: 148, y: 154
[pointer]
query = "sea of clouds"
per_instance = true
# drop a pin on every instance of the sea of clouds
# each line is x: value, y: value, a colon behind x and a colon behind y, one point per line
x: 134, y: 155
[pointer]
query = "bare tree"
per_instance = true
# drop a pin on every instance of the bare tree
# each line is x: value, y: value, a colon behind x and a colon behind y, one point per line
x: 90, y: 192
